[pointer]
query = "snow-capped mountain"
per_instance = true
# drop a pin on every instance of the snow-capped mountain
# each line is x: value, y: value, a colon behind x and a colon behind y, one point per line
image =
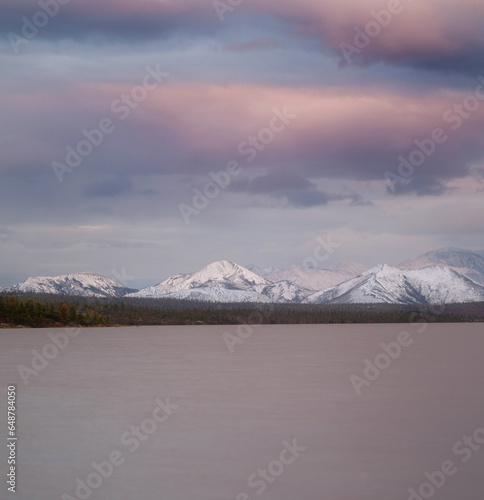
x: 457, y: 277
x: 84, y: 284
x: 316, y: 279
x: 470, y: 264
x: 385, y: 284
x: 220, y: 274
x: 224, y: 281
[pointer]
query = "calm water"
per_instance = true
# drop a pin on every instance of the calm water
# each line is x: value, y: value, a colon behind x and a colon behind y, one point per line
x: 231, y: 415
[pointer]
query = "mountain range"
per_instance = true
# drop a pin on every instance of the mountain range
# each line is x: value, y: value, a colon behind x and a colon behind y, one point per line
x: 390, y: 285
x: 448, y: 275
x: 312, y: 279
x: 470, y: 264
x: 85, y: 284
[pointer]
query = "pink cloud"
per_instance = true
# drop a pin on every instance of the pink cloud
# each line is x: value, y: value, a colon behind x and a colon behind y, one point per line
x: 337, y: 132
x: 423, y: 28
x: 333, y: 131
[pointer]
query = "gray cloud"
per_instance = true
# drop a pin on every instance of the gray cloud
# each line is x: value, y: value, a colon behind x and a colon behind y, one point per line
x: 292, y: 188
x: 106, y: 20
x: 420, y: 186
x: 259, y: 44
x: 272, y: 182
x: 359, y: 201
x: 108, y: 188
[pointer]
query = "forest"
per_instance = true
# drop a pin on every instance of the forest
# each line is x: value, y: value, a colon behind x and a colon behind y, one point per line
x: 45, y: 311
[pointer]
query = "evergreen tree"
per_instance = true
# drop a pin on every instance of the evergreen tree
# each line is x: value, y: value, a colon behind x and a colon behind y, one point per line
x: 63, y: 313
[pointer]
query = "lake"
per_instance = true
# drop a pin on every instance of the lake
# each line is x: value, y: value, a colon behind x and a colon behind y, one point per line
x: 316, y: 412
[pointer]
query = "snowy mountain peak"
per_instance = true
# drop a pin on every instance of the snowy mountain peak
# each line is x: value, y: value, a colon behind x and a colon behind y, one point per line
x: 225, y: 269
x: 444, y: 276
x: 223, y: 273
x: 85, y: 284
x: 386, y: 284
x: 466, y: 262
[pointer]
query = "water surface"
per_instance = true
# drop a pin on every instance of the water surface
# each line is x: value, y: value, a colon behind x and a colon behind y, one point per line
x: 237, y: 411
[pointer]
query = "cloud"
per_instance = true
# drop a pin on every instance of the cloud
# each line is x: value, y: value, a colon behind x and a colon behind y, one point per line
x: 420, y: 186
x: 434, y: 35
x: 273, y: 182
x: 259, y: 44
x: 309, y: 198
x: 359, y: 201
x: 292, y: 189
x: 351, y: 125
x: 149, y: 192
x: 350, y: 134
x: 5, y: 233
x: 192, y: 129
x: 108, y: 188
x: 115, y: 19
x: 444, y: 35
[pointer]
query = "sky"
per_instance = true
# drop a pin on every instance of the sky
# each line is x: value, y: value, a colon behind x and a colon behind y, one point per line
x: 142, y: 139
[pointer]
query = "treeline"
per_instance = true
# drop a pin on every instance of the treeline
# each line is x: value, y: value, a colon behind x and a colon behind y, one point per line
x: 16, y: 311
x: 40, y: 310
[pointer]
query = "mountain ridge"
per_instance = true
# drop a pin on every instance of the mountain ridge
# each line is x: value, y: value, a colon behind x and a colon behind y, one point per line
x: 466, y: 262
x: 411, y: 282
x: 391, y: 285
x: 84, y: 283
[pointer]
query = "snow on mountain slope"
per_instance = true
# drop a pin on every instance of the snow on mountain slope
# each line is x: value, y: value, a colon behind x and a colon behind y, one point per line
x: 468, y: 263
x: 225, y: 281
x: 216, y: 294
x: 150, y: 292
x: 316, y: 279
x: 84, y: 284
x: 221, y: 281
x: 205, y: 294
x: 385, y: 284
x: 222, y: 273
x: 283, y: 291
